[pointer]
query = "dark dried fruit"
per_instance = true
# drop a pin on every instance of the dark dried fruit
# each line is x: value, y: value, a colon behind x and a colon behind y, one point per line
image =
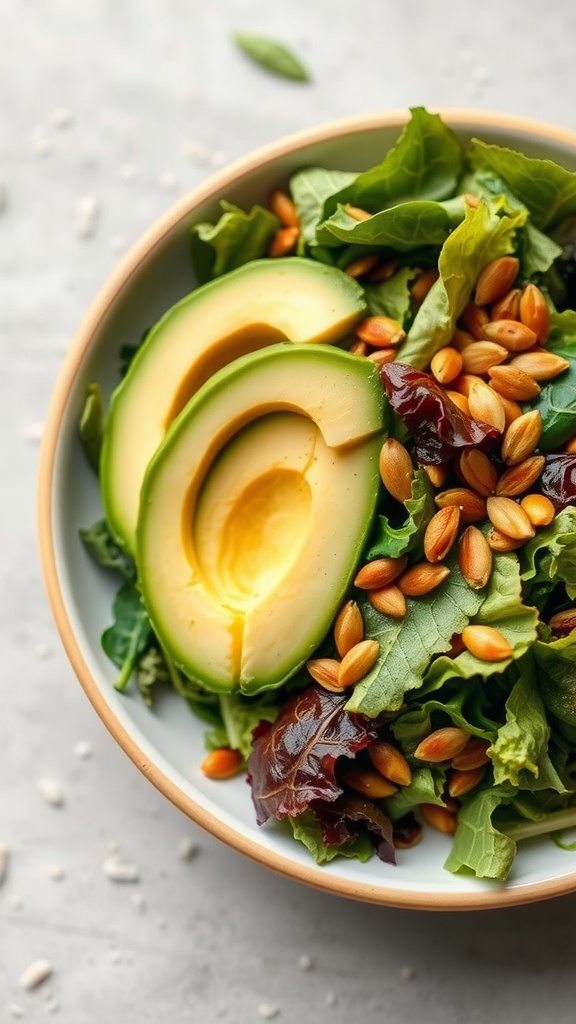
x: 293, y: 762
x: 558, y: 481
x: 439, y: 428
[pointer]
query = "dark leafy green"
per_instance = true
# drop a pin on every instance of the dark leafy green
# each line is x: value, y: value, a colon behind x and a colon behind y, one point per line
x: 92, y: 423
x: 394, y: 541
x: 131, y: 634
x: 557, y: 399
x: 272, y: 55
x: 104, y: 550
x: 392, y: 298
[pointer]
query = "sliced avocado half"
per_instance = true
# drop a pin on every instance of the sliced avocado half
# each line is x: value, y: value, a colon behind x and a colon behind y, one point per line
x: 254, y: 512
x: 261, y: 303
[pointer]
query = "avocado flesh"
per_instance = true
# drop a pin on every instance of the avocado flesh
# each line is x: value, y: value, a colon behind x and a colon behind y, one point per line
x: 255, y: 510
x: 259, y: 304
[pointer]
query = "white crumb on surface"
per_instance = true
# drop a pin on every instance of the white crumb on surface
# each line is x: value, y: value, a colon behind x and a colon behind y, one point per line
x: 55, y: 871
x: 83, y: 749
x: 138, y: 902
x: 16, y: 1010
x: 168, y: 181
x: 305, y: 963
x: 42, y: 651
x: 33, y: 432
x: 330, y: 999
x: 86, y: 215
x: 4, y: 855
x: 218, y: 158
x: 407, y: 972
x: 187, y: 848
x: 115, y: 956
x: 128, y: 173
x: 480, y: 75
x: 51, y: 791
x: 36, y: 972
x: 196, y: 153
x: 268, y: 1011
x: 62, y: 117
x: 119, y: 870
x: 16, y: 902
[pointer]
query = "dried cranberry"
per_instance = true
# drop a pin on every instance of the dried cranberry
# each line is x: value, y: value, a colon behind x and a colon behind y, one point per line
x: 440, y: 430
x: 558, y: 481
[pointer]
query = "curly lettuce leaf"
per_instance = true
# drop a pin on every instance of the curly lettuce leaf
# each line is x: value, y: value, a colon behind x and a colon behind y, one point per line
x: 394, y: 541
x: 544, y: 187
x: 486, y: 233
x: 523, y: 739
x: 502, y: 607
x: 557, y: 677
x: 550, y: 557
x: 307, y: 830
x: 556, y: 402
x: 407, y: 645
x: 478, y: 845
x: 425, y: 163
x: 236, y: 238
x: 103, y: 549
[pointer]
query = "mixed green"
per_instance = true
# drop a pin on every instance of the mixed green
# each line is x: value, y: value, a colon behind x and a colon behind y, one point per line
x: 429, y: 206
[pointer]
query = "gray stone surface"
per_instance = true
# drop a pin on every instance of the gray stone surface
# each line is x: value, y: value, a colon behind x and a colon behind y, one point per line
x: 214, y: 937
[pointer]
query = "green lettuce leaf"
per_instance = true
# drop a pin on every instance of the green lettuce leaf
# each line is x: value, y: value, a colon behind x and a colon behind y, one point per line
x: 465, y: 707
x: 523, y: 739
x: 425, y: 163
x: 407, y: 645
x: 557, y: 676
x: 91, y: 425
x: 486, y: 233
x: 401, y: 228
x: 235, y: 239
x: 306, y: 829
x: 479, y: 846
x: 393, y: 541
x: 426, y: 787
x: 392, y: 297
x: 503, y: 608
x: 550, y: 557
x: 546, y: 189
x: 240, y: 716
x: 556, y: 402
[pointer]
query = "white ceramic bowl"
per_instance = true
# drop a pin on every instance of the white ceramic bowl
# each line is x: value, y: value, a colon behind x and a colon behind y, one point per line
x: 166, y: 743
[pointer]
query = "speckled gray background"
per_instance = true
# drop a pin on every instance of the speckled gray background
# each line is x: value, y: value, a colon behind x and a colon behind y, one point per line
x: 157, y: 96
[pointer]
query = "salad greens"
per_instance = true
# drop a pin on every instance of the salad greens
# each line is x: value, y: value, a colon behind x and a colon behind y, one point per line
x: 428, y: 204
x: 272, y: 55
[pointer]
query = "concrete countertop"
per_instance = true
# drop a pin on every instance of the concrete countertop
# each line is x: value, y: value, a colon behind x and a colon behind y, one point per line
x: 125, y: 105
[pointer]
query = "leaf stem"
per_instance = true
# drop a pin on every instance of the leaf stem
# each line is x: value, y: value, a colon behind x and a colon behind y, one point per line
x: 554, y: 822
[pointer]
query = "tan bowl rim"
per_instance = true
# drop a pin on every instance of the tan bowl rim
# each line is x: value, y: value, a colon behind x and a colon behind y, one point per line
x: 214, y: 185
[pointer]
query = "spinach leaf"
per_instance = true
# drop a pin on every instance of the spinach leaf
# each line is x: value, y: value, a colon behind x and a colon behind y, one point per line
x: 126, y: 640
x: 550, y: 557
x: 486, y: 233
x: 425, y: 163
x: 556, y: 402
x: 392, y: 297
x: 91, y: 426
x: 235, y: 239
x: 402, y: 228
x: 546, y: 189
x: 557, y: 679
x: 272, y: 55
x: 310, y: 189
x: 102, y: 547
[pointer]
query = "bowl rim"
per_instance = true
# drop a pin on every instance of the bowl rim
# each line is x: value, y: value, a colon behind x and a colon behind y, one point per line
x: 313, y: 875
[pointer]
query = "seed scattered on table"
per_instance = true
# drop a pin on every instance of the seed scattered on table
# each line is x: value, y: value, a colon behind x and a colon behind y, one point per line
x: 119, y: 870
x: 51, y: 791
x: 36, y: 972
x: 86, y: 216
x: 268, y: 1011
x: 83, y: 749
x: 62, y: 117
x: 305, y: 963
x: 168, y: 181
x: 55, y: 872
x: 187, y: 848
x: 33, y: 432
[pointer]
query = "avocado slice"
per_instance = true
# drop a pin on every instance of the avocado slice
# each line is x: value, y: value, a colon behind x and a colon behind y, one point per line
x: 261, y: 303
x: 254, y: 512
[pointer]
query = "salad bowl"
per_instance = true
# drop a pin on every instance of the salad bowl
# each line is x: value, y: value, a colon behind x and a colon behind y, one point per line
x: 165, y: 741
